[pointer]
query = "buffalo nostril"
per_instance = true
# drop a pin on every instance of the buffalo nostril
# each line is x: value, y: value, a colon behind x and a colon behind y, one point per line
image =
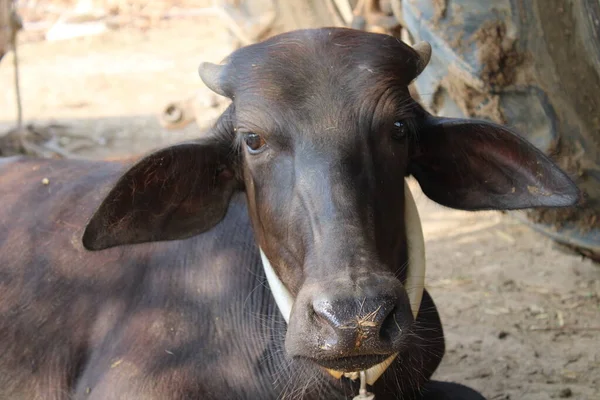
x: 391, y: 328
x: 343, y: 321
x: 325, y: 312
x: 322, y: 317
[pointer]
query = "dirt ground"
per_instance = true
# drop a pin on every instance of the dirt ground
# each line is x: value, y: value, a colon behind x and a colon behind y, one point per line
x: 522, y: 319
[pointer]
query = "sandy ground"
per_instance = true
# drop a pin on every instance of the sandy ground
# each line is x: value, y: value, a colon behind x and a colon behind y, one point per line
x: 522, y: 319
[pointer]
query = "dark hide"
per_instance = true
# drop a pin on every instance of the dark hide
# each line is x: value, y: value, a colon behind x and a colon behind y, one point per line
x: 187, y: 319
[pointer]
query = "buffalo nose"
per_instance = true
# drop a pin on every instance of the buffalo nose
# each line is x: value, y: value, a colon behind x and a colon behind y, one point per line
x: 369, y: 324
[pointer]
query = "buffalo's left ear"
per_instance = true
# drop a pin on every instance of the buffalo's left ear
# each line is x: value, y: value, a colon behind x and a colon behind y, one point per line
x: 477, y: 165
x: 172, y: 194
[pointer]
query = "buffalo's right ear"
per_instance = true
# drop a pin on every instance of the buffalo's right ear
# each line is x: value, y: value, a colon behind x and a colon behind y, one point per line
x: 172, y: 194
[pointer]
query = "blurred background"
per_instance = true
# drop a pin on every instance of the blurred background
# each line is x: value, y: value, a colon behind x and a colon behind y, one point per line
x: 519, y: 293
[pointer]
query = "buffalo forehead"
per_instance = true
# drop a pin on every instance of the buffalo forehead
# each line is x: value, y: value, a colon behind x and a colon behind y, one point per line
x: 300, y: 65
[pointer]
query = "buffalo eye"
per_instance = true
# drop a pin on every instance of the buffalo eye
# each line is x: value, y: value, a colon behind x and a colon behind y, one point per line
x: 254, y: 142
x: 400, y: 130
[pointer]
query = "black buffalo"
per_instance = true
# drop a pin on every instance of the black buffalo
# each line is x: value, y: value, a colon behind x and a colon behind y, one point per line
x: 307, y: 167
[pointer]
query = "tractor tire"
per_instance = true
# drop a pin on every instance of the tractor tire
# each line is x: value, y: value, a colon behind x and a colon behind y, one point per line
x: 533, y: 65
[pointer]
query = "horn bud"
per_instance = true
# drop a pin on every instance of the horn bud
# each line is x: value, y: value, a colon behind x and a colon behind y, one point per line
x: 211, y: 76
x: 423, y: 49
